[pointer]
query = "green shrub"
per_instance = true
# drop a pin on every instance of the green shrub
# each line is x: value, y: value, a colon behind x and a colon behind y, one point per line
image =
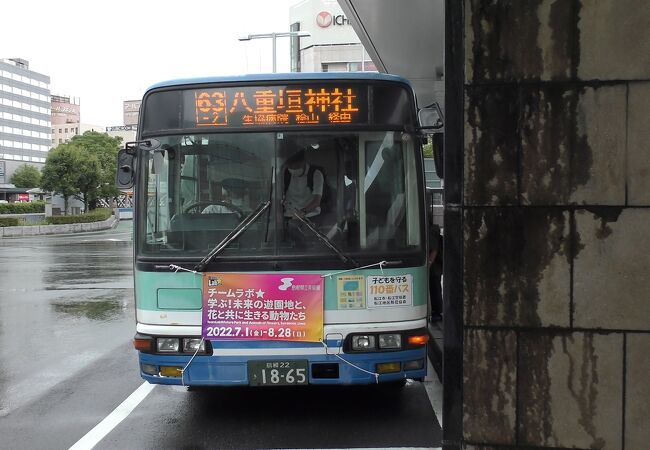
x: 9, y: 221
x: 36, y: 223
x: 96, y: 215
x: 22, y: 208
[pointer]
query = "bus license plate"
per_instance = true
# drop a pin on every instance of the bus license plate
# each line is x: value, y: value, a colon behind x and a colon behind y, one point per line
x: 278, y: 373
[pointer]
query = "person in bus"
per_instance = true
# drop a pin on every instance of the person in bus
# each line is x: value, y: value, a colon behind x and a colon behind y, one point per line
x: 235, y: 192
x: 303, y: 188
x: 303, y: 193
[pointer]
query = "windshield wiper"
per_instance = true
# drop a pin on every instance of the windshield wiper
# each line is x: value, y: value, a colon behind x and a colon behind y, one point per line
x: 234, y: 234
x: 327, y: 241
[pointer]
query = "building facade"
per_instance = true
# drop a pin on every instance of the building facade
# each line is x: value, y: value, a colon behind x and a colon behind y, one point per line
x: 131, y: 112
x: 131, y: 116
x: 62, y: 133
x: 25, y: 117
x: 333, y: 45
x: 65, y: 110
x: 126, y: 132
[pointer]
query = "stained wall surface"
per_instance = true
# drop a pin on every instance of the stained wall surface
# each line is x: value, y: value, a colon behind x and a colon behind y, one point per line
x: 553, y: 226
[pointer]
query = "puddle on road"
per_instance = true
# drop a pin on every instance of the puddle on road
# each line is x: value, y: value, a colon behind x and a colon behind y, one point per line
x: 86, y: 265
x: 65, y: 278
x: 99, y: 309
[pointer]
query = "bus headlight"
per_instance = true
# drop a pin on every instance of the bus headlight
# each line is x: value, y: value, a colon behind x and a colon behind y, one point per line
x: 167, y: 345
x: 363, y: 342
x: 193, y: 345
x: 390, y: 341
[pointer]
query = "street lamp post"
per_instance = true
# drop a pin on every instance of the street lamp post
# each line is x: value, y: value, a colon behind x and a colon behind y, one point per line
x: 273, y: 36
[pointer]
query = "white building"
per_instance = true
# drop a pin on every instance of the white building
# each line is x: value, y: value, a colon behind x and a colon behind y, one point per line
x: 126, y: 132
x: 25, y: 117
x: 333, y: 45
x: 62, y: 133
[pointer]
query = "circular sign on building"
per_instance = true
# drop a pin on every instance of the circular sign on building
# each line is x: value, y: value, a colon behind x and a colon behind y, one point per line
x: 324, y: 19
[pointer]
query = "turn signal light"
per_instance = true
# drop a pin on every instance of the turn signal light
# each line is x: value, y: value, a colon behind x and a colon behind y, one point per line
x: 143, y: 345
x: 419, y: 339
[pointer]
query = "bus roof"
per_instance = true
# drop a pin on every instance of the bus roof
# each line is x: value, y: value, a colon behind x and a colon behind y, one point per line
x: 294, y: 76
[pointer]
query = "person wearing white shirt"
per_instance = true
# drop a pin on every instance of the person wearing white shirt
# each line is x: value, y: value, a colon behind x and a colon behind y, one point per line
x: 234, y: 192
x: 304, y: 190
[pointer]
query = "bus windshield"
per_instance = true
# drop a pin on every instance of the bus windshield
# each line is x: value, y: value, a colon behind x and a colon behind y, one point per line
x: 200, y: 187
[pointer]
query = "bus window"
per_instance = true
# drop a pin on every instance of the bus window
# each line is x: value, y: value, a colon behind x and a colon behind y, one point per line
x: 157, y: 198
x: 389, y: 215
x: 189, y: 181
x: 214, y: 181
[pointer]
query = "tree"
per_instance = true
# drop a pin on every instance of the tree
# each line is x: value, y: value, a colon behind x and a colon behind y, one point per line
x: 26, y: 176
x: 87, y: 175
x: 427, y: 149
x: 59, y: 173
x: 103, y: 149
x: 83, y: 167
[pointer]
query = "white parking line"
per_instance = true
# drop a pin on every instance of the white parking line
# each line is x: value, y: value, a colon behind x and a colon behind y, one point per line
x: 120, y: 413
x: 434, y: 391
x: 94, y: 436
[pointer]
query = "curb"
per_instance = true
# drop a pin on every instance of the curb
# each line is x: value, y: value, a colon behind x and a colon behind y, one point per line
x: 39, y: 230
x: 434, y: 349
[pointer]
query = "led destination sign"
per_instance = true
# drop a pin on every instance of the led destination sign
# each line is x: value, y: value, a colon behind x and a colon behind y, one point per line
x: 216, y: 107
x: 278, y: 105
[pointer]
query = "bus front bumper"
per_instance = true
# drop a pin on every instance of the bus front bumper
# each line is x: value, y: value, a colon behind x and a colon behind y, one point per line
x: 324, y: 367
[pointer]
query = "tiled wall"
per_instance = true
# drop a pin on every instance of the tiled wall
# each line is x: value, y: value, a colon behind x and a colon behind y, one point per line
x: 554, y: 225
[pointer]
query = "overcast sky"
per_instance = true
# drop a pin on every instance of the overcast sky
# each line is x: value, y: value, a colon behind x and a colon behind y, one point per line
x: 107, y: 52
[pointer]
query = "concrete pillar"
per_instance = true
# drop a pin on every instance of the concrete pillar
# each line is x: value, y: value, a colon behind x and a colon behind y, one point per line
x: 547, y: 229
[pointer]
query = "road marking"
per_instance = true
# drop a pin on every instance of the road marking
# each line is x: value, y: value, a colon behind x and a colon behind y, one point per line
x: 93, y: 437
x: 120, y: 413
x: 434, y: 391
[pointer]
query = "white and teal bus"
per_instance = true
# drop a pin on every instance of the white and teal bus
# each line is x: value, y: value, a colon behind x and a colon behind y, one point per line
x: 230, y: 288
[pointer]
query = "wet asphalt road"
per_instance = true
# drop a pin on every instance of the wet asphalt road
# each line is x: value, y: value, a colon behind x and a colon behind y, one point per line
x: 66, y: 362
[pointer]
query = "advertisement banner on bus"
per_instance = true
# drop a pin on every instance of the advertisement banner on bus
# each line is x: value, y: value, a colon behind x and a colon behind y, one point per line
x: 388, y: 291
x: 267, y: 307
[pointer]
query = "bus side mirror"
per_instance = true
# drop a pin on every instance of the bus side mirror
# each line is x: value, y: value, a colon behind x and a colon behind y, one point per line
x: 432, y: 124
x: 125, y: 178
x: 430, y: 119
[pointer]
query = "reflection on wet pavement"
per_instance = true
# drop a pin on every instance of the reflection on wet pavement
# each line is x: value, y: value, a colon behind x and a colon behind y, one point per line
x: 94, y: 310
x: 69, y: 300
x: 88, y: 262
x: 4, y: 382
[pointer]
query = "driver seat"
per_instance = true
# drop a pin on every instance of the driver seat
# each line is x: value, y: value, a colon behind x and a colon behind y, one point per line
x: 199, y: 231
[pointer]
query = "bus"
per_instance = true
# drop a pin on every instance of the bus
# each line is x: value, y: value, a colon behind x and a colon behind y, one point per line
x: 231, y: 287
